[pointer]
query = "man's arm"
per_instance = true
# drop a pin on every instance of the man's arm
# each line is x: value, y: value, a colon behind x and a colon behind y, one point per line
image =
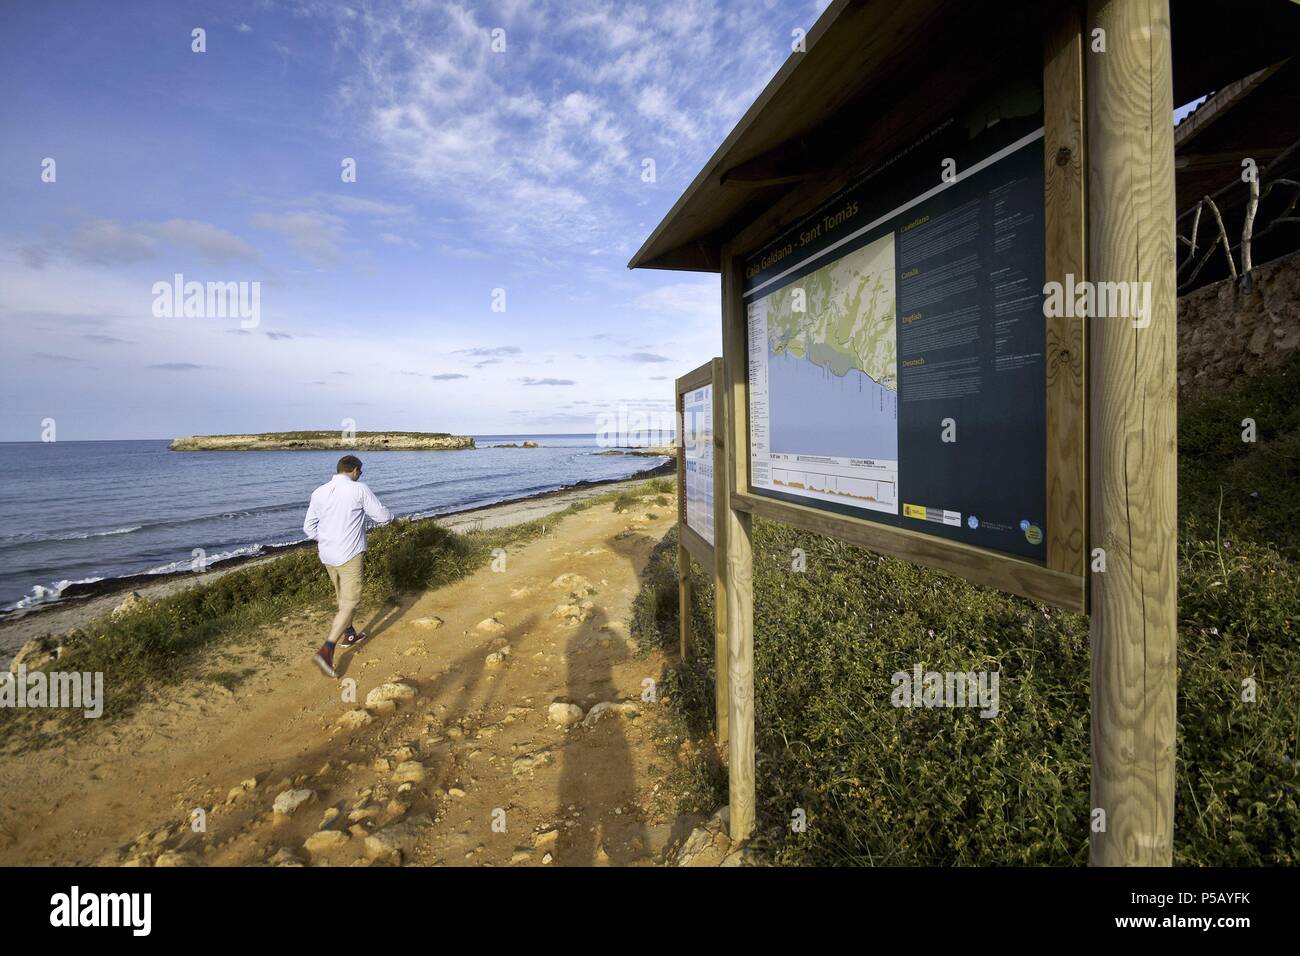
x: 312, y: 521
x: 375, y: 510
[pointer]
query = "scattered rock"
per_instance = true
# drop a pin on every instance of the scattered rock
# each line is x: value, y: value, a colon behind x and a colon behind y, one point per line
x: 289, y: 801
x: 409, y: 771
x: 133, y: 602
x: 489, y: 626
x: 389, y: 694
x: 709, y: 845
x: 530, y: 762
x: 573, y: 614
x: 173, y: 858
x: 35, y: 654
x: 322, y: 841
x: 430, y: 622
x: 353, y: 719
x: 393, y: 842
x: 622, y: 708
x: 285, y: 857
x: 574, y: 583
x: 564, y: 715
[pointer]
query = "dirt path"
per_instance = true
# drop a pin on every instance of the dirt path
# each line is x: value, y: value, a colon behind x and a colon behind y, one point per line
x: 471, y: 769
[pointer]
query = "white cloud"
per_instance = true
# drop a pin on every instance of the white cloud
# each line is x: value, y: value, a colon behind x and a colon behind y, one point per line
x: 542, y: 145
x: 106, y: 242
x: 211, y: 242
x: 317, y: 236
x: 698, y: 300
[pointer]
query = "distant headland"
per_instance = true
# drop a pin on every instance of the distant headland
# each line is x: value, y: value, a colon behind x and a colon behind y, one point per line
x: 325, y: 440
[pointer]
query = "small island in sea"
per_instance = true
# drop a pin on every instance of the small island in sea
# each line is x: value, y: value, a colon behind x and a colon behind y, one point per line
x: 652, y: 451
x: 325, y: 440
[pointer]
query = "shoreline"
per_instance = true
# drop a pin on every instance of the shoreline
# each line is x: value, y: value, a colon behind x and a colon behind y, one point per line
x: 82, y: 602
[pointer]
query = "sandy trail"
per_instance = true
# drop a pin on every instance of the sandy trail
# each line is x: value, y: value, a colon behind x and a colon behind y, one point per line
x: 470, y: 771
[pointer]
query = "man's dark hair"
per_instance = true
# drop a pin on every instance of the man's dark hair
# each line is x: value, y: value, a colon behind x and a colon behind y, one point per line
x: 348, y: 463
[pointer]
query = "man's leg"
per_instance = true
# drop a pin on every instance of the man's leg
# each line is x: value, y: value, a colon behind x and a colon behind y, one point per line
x: 341, y: 622
x: 347, y: 585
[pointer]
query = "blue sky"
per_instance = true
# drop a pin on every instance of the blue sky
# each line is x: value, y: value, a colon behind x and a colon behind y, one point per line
x: 475, y: 170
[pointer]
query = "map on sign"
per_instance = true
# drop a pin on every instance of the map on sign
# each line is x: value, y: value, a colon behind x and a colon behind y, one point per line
x: 824, y: 352
x: 697, y: 445
x: 896, y: 346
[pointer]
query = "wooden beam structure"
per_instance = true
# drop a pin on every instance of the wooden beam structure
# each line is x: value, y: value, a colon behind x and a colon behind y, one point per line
x: 738, y: 568
x: 1133, y: 437
x: 875, y: 82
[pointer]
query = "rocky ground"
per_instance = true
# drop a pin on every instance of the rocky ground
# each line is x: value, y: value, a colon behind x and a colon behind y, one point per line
x: 508, y: 719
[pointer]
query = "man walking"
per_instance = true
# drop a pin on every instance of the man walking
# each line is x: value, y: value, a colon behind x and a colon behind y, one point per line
x: 336, y: 521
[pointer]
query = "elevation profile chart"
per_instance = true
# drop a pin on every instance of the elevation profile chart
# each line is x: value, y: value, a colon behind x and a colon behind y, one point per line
x: 823, y: 377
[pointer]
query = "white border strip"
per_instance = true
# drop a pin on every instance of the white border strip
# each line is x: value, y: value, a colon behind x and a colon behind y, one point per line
x: 982, y: 164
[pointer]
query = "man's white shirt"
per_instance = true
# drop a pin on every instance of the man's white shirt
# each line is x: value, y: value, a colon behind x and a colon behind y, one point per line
x: 336, y: 518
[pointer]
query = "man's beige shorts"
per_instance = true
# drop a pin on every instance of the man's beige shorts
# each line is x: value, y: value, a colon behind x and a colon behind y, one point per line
x: 346, y: 579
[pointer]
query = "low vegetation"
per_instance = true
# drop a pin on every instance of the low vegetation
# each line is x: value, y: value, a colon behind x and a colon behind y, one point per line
x: 165, y: 642
x: 885, y: 785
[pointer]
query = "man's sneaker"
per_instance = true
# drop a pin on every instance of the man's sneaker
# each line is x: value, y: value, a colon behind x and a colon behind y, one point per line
x: 352, y: 638
x: 325, y: 660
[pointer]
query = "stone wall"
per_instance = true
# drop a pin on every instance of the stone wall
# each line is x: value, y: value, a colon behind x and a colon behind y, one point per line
x: 1225, y: 333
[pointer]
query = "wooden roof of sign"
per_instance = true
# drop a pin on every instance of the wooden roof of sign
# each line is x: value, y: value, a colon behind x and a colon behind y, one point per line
x: 878, y: 73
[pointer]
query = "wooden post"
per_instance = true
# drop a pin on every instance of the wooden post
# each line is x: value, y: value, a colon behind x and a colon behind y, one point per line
x: 683, y: 556
x: 721, y: 504
x: 738, y: 568
x: 683, y: 598
x: 1130, y: 160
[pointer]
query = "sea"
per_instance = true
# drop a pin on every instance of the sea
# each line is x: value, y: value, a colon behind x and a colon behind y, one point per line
x: 95, y: 510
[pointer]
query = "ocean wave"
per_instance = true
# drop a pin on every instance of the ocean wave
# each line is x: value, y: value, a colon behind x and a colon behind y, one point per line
x: 27, y: 539
x: 186, y: 564
x: 41, y: 594
x: 98, y: 534
x: 36, y: 537
x: 48, y: 594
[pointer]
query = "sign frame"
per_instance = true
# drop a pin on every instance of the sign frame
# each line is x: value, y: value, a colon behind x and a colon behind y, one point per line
x: 1111, y: 464
x: 691, y: 544
x: 1062, y: 580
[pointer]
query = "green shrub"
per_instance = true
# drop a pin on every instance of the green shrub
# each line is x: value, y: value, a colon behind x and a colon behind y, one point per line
x: 885, y: 785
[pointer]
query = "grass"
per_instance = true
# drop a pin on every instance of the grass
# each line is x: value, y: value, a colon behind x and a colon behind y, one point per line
x: 885, y: 785
x: 168, y: 641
